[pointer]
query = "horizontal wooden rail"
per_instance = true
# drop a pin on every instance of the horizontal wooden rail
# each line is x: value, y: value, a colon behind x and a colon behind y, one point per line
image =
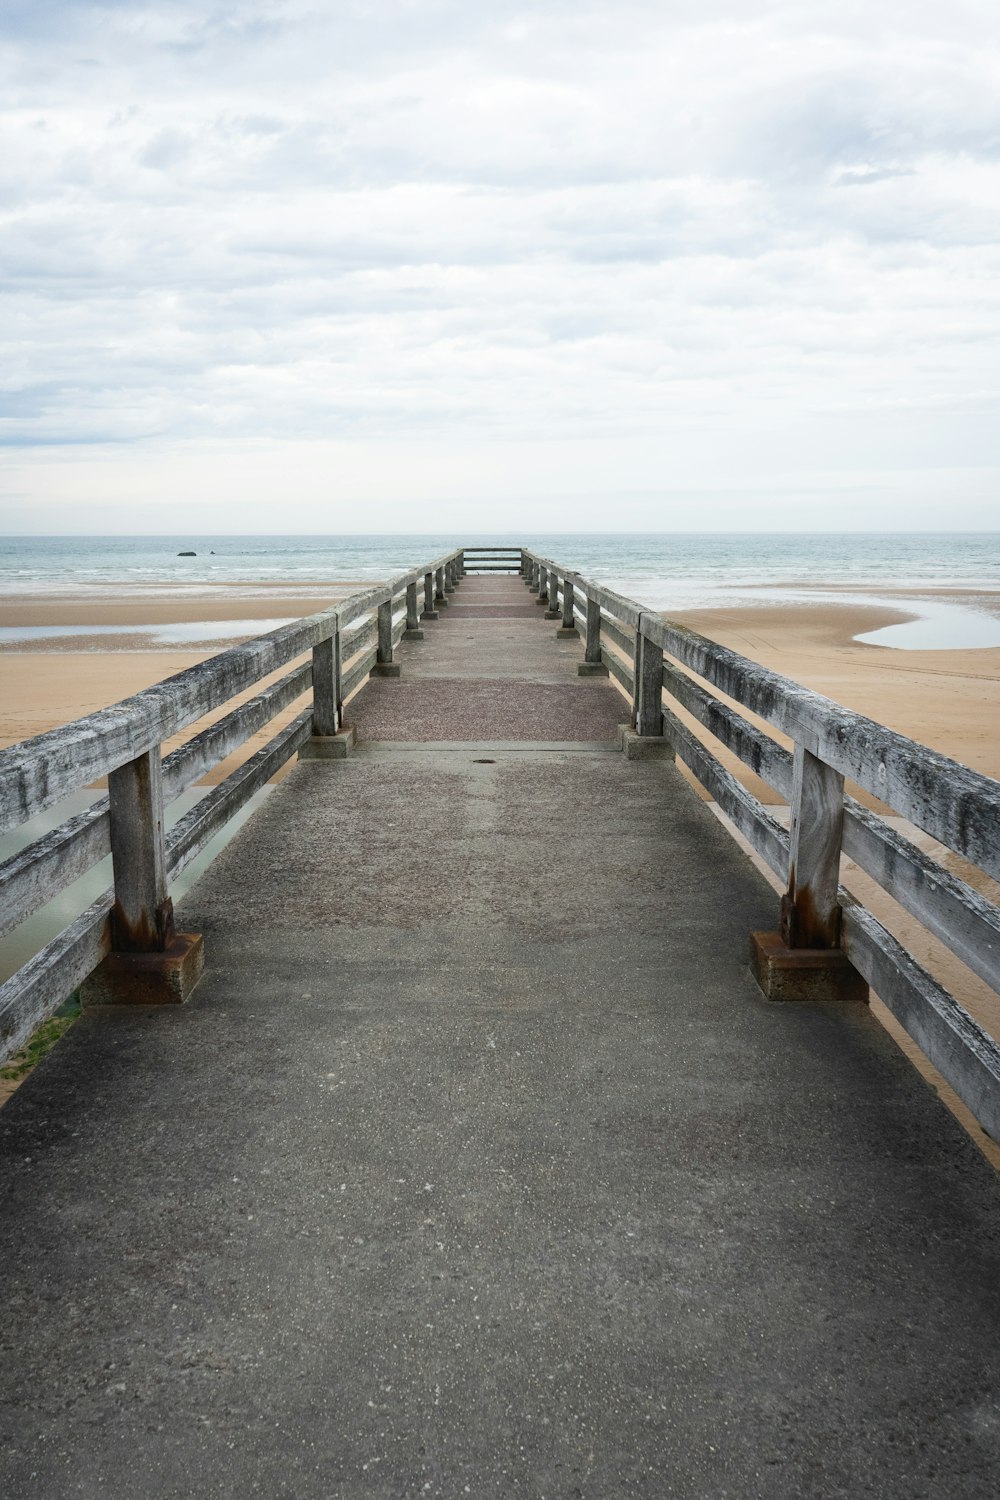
x: 741, y: 807
x: 213, y: 811
x: 950, y: 908
x: 618, y: 669
x: 39, y: 872
x: 955, y: 805
x: 35, y: 874
x: 38, y: 773
x: 947, y: 906
x: 623, y: 639
x: 39, y: 988
x: 966, y: 1055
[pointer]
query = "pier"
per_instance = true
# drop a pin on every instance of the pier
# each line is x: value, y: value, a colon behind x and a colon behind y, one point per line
x: 483, y: 1121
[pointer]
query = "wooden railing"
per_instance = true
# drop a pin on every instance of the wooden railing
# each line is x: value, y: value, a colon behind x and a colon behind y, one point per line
x: 492, y: 559
x: 347, y: 642
x: 958, y: 807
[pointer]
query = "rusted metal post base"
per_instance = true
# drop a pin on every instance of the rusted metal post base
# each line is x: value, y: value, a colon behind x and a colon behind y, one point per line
x: 386, y: 669
x: 567, y: 633
x: 165, y: 978
x: 330, y: 746
x: 785, y: 973
x: 643, y: 746
x: 412, y: 635
x: 591, y: 669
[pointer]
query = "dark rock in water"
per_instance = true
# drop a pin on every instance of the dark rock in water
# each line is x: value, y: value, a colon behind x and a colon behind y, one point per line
x: 187, y: 554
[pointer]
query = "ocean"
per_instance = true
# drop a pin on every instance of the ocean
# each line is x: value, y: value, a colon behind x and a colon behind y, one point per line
x: 681, y: 570
x: 663, y: 570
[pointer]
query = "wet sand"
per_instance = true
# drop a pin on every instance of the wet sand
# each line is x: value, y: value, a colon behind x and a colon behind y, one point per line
x: 170, y: 604
x: 949, y: 700
x: 47, y: 683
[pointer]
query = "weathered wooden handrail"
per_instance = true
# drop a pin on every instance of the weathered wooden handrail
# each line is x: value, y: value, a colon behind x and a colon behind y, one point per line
x: 957, y: 806
x: 134, y: 920
x: 495, y: 559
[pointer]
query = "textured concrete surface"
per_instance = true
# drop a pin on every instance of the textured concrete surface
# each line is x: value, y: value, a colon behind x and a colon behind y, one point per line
x: 477, y: 1165
x: 493, y: 611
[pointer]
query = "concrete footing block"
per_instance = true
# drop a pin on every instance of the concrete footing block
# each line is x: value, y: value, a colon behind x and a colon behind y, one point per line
x: 386, y: 669
x: 804, y: 973
x: 553, y: 614
x: 543, y: 599
x: 429, y: 614
x: 330, y: 746
x: 567, y: 633
x: 442, y: 603
x: 644, y: 746
x: 413, y: 635
x: 591, y: 669
x: 166, y: 978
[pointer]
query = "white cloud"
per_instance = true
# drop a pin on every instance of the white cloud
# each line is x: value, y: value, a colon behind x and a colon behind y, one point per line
x: 670, y: 233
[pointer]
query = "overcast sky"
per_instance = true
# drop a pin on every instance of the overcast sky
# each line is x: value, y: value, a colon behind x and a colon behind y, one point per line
x: 413, y: 264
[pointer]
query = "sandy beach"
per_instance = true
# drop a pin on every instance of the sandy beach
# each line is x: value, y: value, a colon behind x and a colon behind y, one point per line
x: 949, y: 700
x: 45, y: 683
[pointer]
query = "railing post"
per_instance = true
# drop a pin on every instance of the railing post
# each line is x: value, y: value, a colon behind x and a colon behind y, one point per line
x: 552, y: 613
x: 647, y: 701
x: 439, y: 594
x: 429, y: 612
x: 384, y: 664
x: 149, y: 962
x: 810, y: 912
x: 326, y: 685
x: 143, y: 916
x: 543, y: 585
x: 593, y: 662
x: 449, y: 577
x: 330, y: 739
x: 412, y: 631
x: 803, y: 961
x: 568, y: 628
x: 644, y: 739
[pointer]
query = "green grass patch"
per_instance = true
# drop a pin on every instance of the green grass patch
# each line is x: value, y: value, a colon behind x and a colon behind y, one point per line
x: 41, y: 1041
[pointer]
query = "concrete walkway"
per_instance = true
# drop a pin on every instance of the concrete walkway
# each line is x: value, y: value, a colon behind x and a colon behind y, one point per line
x: 478, y: 1166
